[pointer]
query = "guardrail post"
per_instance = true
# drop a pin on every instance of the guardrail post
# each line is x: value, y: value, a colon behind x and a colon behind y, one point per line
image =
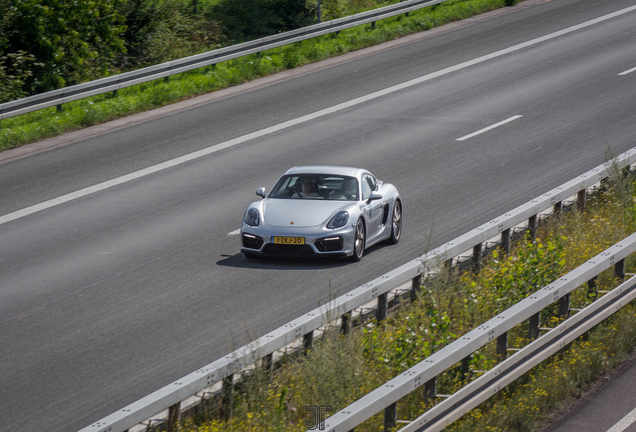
x: 382, y: 307
x: 533, y: 326
x: 532, y: 227
x: 268, y: 363
x: 581, y: 198
x: 502, y: 346
x: 476, y: 258
x: 308, y: 341
x: 592, y: 289
x: 564, y: 305
x: 619, y: 270
x: 59, y: 108
x: 226, y: 396
x: 430, y: 389
x: 505, y: 241
x: 465, y: 367
x: 416, y: 286
x: 625, y: 171
x: 345, y: 325
x: 556, y: 208
x: 390, y: 417
x: 174, y: 412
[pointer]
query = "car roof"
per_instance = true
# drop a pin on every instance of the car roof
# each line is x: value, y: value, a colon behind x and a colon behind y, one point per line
x: 325, y: 169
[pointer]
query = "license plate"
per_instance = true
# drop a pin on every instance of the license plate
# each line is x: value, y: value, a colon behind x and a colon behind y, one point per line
x: 289, y: 240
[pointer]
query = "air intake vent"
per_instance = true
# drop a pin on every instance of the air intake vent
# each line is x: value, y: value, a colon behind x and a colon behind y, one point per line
x: 329, y: 244
x: 251, y: 241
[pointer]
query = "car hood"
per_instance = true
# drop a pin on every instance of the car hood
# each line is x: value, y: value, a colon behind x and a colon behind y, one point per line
x: 299, y: 212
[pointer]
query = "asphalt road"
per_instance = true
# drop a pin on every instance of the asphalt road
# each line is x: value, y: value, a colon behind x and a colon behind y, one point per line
x: 110, y: 296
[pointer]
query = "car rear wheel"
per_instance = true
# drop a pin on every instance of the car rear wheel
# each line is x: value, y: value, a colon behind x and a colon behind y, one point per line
x: 358, y: 242
x: 396, y: 223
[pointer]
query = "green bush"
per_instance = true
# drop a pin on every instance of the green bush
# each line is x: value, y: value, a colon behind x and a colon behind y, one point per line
x: 244, y: 20
x: 15, y: 70
x: 72, y: 41
x: 158, y: 32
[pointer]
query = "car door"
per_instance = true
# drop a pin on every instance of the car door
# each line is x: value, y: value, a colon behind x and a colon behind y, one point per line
x: 373, y: 210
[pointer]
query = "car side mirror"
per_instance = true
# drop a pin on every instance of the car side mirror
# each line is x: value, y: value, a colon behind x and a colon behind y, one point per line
x: 374, y: 197
x: 260, y: 192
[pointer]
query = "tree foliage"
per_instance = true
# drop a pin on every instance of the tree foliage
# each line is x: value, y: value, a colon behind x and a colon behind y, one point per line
x: 142, y: 19
x: 163, y: 30
x: 244, y: 20
x: 50, y: 44
x: 71, y: 41
x: 15, y: 70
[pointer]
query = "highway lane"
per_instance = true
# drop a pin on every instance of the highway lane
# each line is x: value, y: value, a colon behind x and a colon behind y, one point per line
x: 111, y: 296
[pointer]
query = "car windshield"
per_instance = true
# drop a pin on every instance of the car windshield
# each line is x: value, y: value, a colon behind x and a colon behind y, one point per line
x: 316, y: 187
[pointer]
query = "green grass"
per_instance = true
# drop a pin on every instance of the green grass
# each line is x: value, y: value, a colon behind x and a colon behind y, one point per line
x: 49, y: 122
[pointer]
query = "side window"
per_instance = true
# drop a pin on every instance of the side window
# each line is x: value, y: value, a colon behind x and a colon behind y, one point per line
x: 367, y: 186
x: 373, y: 183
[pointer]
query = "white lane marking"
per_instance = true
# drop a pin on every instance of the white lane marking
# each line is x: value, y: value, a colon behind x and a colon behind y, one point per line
x: 235, y: 232
x: 624, y: 423
x: 215, y: 148
x: 503, y: 122
x: 628, y: 71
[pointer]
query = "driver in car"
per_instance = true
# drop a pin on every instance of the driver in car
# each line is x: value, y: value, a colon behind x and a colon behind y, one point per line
x: 349, y: 190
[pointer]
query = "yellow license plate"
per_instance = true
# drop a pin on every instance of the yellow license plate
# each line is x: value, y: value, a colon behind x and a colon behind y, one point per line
x: 289, y: 240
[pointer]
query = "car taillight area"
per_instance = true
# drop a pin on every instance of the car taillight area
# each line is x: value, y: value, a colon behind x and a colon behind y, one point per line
x: 329, y: 244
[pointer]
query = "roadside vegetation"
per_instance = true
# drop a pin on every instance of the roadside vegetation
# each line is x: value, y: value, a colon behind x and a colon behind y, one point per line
x: 70, y: 45
x: 340, y: 369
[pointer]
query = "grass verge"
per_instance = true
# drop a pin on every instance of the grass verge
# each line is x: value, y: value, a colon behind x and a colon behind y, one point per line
x: 31, y: 127
x: 339, y: 370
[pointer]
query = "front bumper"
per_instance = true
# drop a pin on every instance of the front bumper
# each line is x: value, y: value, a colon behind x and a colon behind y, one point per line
x: 318, y: 241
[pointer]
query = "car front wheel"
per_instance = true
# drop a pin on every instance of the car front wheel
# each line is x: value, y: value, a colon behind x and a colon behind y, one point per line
x: 358, y: 242
x: 396, y: 223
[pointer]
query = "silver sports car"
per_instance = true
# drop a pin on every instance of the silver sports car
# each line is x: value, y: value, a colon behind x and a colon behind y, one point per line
x: 322, y: 211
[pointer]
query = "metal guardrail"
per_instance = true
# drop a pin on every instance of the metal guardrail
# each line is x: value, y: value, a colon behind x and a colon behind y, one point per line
x: 116, y: 82
x: 503, y: 374
x: 425, y: 373
x: 171, y: 396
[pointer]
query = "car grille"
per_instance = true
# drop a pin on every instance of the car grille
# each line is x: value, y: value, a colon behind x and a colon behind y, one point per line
x: 251, y: 241
x: 329, y: 244
x: 283, y: 249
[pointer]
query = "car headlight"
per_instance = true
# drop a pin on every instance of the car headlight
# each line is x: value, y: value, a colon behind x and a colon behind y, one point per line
x: 252, y: 217
x: 339, y: 220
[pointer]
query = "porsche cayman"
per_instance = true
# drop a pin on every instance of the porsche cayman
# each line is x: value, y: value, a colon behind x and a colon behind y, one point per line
x: 322, y: 211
